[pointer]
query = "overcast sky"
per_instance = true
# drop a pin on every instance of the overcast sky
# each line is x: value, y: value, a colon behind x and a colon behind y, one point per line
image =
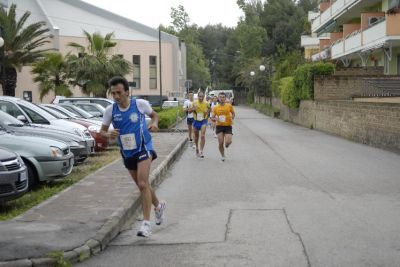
x: 156, y: 12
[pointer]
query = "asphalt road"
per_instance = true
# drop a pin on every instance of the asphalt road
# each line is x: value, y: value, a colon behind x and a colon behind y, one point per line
x: 286, y: 196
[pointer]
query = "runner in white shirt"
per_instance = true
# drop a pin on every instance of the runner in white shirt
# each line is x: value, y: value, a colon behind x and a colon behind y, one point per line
x: 189, y: 120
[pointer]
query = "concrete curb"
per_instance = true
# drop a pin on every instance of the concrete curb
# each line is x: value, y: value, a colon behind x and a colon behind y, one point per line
x: 111, y: 228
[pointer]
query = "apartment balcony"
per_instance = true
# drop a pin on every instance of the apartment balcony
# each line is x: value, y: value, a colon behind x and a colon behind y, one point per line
x: 309, y: 41
x: 339, y: 12
x: 371, y: 38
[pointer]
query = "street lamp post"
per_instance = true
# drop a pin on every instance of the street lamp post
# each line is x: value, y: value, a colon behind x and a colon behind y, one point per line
x: 3, y: 61
x: 262, y: 69
x: 252, y: 73
x: 159, y: 50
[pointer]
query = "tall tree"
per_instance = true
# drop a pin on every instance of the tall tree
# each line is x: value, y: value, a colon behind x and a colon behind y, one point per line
x: 51, y: 72
x: 22, y: 44
x: 95, y: 64
x: 197, y: 69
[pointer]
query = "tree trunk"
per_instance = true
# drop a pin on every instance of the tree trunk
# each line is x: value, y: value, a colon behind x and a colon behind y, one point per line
x: 10, y: 82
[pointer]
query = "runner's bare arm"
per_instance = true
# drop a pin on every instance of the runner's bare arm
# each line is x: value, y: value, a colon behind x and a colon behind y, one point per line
x: 153, y: 127
x: 104, y: 132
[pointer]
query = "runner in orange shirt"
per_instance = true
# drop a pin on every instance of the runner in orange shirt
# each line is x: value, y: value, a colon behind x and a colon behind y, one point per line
x: 223, y: 114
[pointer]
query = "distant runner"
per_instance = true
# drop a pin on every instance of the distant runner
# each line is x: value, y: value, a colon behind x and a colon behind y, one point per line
x: 189, y: 119
x: 128, y: 118
x: 223, y: 114
x: 200, y: 109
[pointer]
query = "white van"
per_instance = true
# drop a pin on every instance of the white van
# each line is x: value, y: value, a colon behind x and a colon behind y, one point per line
x: 229, y: 94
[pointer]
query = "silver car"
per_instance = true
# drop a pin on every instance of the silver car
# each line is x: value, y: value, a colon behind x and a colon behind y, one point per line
x: 13, y: 176
x: 45, y: 159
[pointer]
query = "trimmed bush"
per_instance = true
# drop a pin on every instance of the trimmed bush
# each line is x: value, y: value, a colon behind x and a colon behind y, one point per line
x: 288, y: 93
x: 304, y: 78
x: 169, y: 116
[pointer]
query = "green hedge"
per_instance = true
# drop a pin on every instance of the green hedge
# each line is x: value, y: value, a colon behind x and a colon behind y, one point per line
x: 301, y: 86
x: 304, y: 78
x: 168, y: 117
x: 288, y: 93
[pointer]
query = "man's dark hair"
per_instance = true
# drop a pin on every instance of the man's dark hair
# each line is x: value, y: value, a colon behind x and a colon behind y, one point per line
x: 119, y: 80
x: 222, y: 93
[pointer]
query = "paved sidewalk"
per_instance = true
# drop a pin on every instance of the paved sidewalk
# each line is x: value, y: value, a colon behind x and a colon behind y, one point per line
x: 78, y: 214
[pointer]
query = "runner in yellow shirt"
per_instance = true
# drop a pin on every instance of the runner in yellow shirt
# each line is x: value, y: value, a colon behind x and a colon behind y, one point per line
x: 200, y: 109
x: 223, y: 114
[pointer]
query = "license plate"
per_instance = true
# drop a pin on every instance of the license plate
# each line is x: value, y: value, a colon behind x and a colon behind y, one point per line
x: 22, y: 176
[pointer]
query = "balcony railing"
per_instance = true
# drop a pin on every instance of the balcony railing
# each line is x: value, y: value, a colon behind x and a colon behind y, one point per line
x: 334, y: 10
x: 307, y: 40
x: 353, y: 42
x: 337, y: 49
x: 374, y: 33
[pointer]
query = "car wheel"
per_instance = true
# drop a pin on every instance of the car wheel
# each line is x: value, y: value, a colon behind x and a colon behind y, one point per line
x: 32, y: 175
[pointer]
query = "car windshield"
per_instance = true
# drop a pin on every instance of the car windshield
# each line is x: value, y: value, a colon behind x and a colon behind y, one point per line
x: 29, y: 108
x: 55, y: 113
x: 7, y: 119
x: 63, y: 111
x: 78, y: 111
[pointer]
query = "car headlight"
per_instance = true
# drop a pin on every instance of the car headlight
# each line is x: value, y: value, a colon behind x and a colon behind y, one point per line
x: 94, y: 128
x: 21, y: 162
x: 56, y: 152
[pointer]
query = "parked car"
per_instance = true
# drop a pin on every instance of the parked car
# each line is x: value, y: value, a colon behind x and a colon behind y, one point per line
x: 80, y: 147
x: 13, y: 175
x: 97, y: 100
x: 170, y: 104
x: 45, y: 159
x: 93, y: 127
x: 96, y: 110
x: 32, y: 114
x: 230, y: 96
x: 78, y: 111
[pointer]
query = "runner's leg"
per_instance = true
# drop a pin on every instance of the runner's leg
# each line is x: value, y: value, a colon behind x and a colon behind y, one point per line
x: 203, y: 137
x: 221, y: 144
x: 196, y: 139
x: 228, y: 140
x: 143, y: 172
x: 190, y: 129
x: 154, y: 199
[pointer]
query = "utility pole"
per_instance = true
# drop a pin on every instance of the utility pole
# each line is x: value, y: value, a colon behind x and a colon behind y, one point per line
x: 159, y: 51
x: 3, y: 61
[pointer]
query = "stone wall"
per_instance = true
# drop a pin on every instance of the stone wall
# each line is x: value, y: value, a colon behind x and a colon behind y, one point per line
x: 337, y: 87
x: 375, y: 124
x: 374, y: 71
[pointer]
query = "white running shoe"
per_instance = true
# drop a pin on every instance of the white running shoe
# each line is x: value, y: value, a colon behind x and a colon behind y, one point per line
x: 145, y: 229
x: 222, y: 159
x: 201, y: 154
x: 159, y: 211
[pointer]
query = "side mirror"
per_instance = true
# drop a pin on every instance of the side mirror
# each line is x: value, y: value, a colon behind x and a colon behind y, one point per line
x: 22, y: 118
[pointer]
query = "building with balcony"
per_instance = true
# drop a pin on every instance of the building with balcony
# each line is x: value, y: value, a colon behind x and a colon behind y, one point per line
x: 361, y: 33
x: 137, y: 43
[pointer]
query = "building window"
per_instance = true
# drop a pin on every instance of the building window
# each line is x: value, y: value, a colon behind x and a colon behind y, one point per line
x: 136, y: 71
x: 153, y: 72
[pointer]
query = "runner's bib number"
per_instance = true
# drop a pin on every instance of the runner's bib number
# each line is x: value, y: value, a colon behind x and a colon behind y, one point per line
x: 128, y: 141
x: 200, y: 116
x: 222, y: 118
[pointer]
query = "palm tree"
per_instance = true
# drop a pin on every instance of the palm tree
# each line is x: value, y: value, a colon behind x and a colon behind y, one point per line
x: 21, y: 43
x: 51, y: 72
x: 94, y: 65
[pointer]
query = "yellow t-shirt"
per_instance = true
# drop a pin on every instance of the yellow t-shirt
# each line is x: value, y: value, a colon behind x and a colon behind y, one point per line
x: 201, y: 110
x: 223, y: 114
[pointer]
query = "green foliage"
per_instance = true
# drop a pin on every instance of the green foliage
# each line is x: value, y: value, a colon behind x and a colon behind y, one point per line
x: 304, y: 78
x: 180, y: 18
x: 169, y: 116
x: 285, y: 65
x: 51, y: 72
x: 266, y: 109
x: 22, y: 43
x: 59, y: 257
x: 95, y: 65
x: 250, y: 97
x: 288, y: 93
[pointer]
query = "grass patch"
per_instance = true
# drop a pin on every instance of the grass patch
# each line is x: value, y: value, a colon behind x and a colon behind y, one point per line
x: 44, y: 191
